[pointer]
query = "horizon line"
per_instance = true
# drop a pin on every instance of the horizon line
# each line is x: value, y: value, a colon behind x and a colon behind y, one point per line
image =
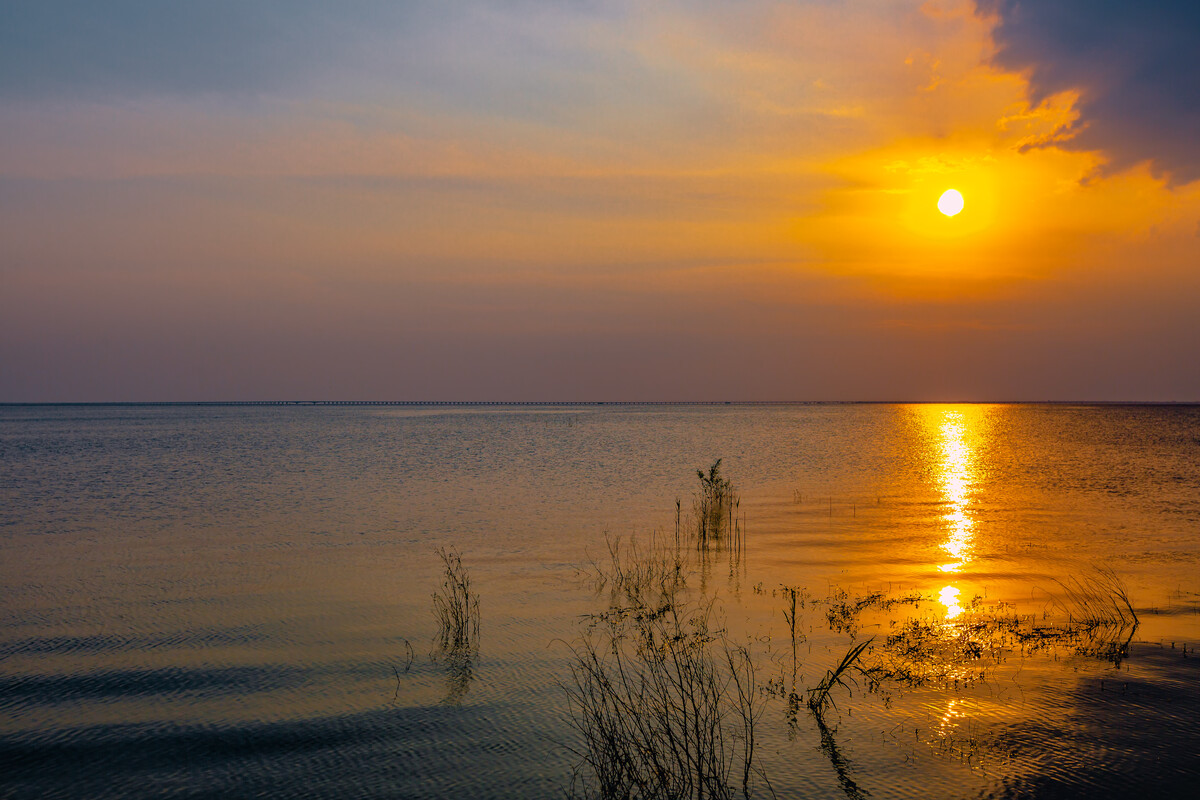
x: 581, y: 403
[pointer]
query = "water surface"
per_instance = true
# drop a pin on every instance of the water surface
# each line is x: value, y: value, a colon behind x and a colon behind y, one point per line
x: 236, y: 601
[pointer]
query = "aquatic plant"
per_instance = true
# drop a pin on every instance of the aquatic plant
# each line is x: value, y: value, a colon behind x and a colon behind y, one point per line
x: 665, y: 707
x: 791, y: 596
x: 457, y: 610
x: 455, y: 605
x: 409, y: 657
x: 842, y: 613
x: 819, y: 697
x: 1095, y: 618
x: 639, y: 575
x: 715, y: 507
x: 1103, y: 613
x: 1104, y: 601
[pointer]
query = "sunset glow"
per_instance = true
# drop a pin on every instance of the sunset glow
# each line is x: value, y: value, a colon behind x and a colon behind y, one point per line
x: 443, y: 205
x: 600, y: 399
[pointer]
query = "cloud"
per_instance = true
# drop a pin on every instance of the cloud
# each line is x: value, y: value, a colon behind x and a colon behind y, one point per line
x: 1135, y: 66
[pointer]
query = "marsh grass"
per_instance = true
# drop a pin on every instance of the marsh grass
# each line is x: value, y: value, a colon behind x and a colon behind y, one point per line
x: 1101, y: 602
x: 1100, y: 614
x: 842, y: 613
x: 793, y: 597
x: 456, y: 608
x: 638, y: 575
x: 455, y: 605
x: 644, y: 574
x: 665, y: 706
x: 663, y: 701
x: 716, y: 507
x: 820, y: 697
x: 1095, y: 618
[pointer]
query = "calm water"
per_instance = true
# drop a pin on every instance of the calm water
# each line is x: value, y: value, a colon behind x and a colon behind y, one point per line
x: 236, y: 602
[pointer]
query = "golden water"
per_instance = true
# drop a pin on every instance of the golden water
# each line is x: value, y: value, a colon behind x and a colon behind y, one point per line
x: 206, y: 601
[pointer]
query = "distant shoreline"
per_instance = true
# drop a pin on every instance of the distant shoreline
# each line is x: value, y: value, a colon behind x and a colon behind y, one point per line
x: 598, y: 403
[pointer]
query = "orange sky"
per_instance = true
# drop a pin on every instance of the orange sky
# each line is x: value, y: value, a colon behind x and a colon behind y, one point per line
x: 613, y: 202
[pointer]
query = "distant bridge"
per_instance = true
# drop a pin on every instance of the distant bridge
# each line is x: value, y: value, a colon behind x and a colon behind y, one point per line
x: 445, y: 403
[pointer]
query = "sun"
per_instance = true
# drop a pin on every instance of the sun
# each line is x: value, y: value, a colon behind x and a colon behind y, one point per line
x: 951, y: 202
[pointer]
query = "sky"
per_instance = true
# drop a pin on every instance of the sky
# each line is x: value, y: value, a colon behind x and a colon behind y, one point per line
x: 599, y: 200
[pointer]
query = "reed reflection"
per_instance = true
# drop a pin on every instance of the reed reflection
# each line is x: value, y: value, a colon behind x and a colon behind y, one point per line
x: 954, y: 463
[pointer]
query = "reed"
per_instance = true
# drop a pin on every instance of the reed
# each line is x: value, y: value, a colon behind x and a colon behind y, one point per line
x: 1100, y: 614
x: 1102, y: 601
x: 639, y: 575
x: 455, y: 606
x: 793, y: 595
x: 820, y: 696
x: 715, y: 507
x: 665, y: 707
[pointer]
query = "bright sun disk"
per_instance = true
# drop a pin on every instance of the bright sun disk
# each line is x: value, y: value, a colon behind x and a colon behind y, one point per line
x: 951, y: 202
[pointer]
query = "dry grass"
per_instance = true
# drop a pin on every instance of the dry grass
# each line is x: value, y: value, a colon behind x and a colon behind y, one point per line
x: 665, y: 707
x: 638, y: 575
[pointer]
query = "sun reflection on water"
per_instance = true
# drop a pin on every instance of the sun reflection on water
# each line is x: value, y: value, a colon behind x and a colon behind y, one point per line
x: 949, y: 598
x: 956, y: 476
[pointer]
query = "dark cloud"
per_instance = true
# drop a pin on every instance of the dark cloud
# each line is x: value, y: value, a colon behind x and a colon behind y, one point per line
x: 1137, y: 66
x: 82, y: 48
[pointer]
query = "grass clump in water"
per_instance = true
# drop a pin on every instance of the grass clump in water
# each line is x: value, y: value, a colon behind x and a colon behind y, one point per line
x: 457, y: 610
x: 715, y: 507
x: 664, y: 703
x: 665, y: 707
x: 455, y: 605
x: 819, y: 697
x: 1102, y: 602
x: 637, y: 575
x: 1102, y: 614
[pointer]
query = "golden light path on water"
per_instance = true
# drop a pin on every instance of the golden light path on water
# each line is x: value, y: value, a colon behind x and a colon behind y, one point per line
x: 955, y: 470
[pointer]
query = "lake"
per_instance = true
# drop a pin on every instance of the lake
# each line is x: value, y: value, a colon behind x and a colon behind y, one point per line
x: 238, y: 601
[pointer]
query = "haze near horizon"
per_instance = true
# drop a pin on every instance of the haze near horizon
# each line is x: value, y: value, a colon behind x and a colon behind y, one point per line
x: 600, y: 201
